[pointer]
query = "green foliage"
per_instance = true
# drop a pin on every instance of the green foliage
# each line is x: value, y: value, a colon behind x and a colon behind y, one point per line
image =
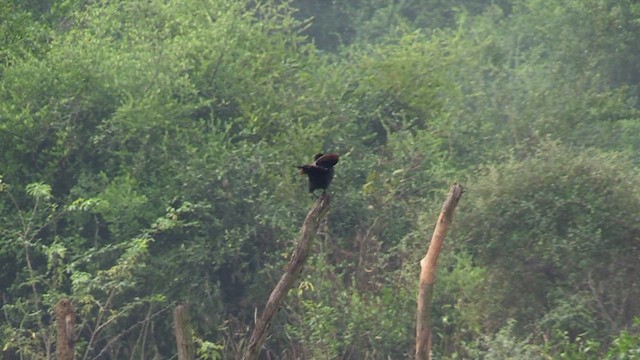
x: 626, y: 345
x: 337, y: 24
x: 532, y: 75
x: 504, y: 344
x: 97, y: 280
x: 343, y: 322
x: 146, y: 160
x: 544, y: 227
x: 208, y: 350
x: 22, y: 36
x: 456, y: 317
x: 565, y: 346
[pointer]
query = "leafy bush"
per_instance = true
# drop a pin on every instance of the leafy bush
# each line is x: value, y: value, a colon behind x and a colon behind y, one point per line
x: 552, y: 230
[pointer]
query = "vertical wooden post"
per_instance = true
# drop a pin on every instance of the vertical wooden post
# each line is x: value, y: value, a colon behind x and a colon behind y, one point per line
x: 299, y: 257
x: 65, y: 328
x: 428, y: 273
x: 182, y: 328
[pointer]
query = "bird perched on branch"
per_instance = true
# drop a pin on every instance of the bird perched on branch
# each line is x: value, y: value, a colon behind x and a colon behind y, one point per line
x: 320, y: 171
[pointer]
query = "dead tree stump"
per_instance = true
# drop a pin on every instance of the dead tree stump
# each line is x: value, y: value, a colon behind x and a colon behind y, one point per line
x: 65, y: 328
x: 183, y: 332
x: 428, y: 273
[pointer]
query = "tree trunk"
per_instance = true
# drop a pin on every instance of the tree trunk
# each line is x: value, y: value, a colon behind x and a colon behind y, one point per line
x: 299, y: 257
x: 428, y: 273
x: 65, y: 328
x: 183, y: 332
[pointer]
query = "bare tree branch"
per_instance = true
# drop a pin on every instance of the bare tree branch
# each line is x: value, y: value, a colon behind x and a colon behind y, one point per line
x: 299, y: 257
x: 428, y: 273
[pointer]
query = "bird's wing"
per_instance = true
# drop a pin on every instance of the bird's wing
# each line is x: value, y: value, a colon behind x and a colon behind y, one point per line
x: 327, y: 160
x: 312, y: 169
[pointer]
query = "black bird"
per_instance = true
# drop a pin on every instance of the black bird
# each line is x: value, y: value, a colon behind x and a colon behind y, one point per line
x: 320, y: 171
